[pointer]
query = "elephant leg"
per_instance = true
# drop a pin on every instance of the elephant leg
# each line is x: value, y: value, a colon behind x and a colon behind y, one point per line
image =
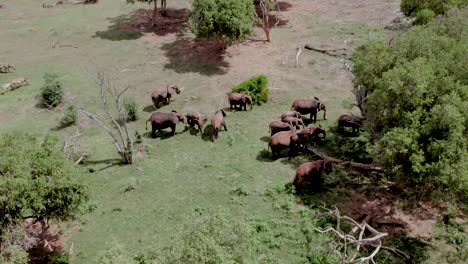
x: 173, y: 128
x: 224, y: 125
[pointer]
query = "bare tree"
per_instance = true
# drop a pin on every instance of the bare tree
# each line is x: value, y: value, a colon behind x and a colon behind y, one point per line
x: 264, y: 6
x: 121, y: 138
x: 348, y: 245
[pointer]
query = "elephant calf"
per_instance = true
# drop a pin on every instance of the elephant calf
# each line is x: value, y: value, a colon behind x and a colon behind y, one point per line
x: 278, y: 126
x: 164, y: 94
x: 355, y: 122
x: 311, y: 173
x: 291, y: 113
x: 196, y: 119
x: 240, y: 99
x: 309, y: 107
x: 160, y: 120
x: 216, y: 122
x: 293, y: 121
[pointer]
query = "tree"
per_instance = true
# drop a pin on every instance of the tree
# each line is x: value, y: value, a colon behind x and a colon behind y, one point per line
x: 228, y: 21
x: 155, y: 9
x: 37, y: 181
x: 265, y: 6
x: 121, y: 138
x: 416, y: 104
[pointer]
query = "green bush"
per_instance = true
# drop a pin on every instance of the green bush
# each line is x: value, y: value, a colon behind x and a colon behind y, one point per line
x: 255, y: 87
x: 69, y: 116
x: 228, y: 20
x: 424, y: 16
x: 52, y: 91
x: 417, y: 105
x: 131, y: 108
x: 61, y: 259
x: 411, y: 7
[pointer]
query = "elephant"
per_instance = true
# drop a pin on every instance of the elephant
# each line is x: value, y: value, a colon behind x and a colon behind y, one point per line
x: 240, y: 99
x: 196, y: 119
x: 5, y: 68
x: 161, y: 120
x: 280, y: 141
x: 278, y: 126
x: 309, y: 107
x: 291, y: 113
x: 311, y: 173
x: 163, y: 94
x: 216, y: 122
x: 355, y: 122
x: 293, y: 121
x: 304, y: 137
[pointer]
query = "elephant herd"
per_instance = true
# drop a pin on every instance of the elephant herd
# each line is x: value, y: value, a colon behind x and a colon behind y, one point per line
x: 288, y: 134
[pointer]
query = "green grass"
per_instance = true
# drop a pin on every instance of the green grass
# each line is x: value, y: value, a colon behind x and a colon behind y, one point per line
x: 144, y: 204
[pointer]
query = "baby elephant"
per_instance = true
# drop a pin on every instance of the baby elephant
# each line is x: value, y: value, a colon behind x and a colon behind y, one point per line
x: 5, y: 68
x: 216, y: 122
x: 293, y: 121
x: 163, y: 94
x: 240, y: 99
x: 291, y: 113
x: 278, y: 126
x: 196, y: 119
x: 311, y: 173
x: 160, y: 120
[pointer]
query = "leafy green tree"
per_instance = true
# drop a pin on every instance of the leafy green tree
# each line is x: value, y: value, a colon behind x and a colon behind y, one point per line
x: 229, y: 21
x: 416, y: 104
x: 52, y: 91
x: 36, y: 181
x: 256, y: 87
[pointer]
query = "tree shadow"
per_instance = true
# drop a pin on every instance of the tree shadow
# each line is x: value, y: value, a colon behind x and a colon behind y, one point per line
x: 108, y: 163
x: 195, y: 55
x: 135, y: 24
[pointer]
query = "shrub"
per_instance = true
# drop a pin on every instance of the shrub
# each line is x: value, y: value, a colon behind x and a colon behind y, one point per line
x: 52, y: 91
x: 228, y: 20
x: 255, y: 87
x: 411, y: 7
x: 424, y: 16
x: 416, y: 106
x: 130, y: 108
x: 69, y: 116
x: 61, y: 259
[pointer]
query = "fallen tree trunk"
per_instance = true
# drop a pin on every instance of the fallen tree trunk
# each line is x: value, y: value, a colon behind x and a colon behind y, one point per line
x: 330, y: 52
x: 356, y: 165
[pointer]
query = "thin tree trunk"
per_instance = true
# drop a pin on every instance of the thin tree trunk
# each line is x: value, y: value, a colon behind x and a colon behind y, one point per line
x: 155, y: 13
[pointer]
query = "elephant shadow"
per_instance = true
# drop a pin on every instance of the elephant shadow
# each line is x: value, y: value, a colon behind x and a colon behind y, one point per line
x: 149, y: 108
x: 161, y: 135
x: 207, y: 133
x: 265, y: 139
x: 265, y: 156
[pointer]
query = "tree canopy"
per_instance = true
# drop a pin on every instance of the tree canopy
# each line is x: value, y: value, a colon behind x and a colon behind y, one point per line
x: 416, y: 104
x: 228, y: 20
x: 36, y: 181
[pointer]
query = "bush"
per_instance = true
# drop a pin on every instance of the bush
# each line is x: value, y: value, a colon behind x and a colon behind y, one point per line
x: 52, y: 91
x: 228, y: 20
x: 255, y: 87
x: 424, y: 16
x: 69, y: 116
x: 130, y: 108
x: 420, y: 138
x: 61, y: 259
x: 411, y: 7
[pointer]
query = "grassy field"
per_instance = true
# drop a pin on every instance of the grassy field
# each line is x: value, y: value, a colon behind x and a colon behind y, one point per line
x: 183, y: 173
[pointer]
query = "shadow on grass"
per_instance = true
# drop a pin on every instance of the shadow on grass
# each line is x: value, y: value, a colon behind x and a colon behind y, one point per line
x: 207, y: 133
x: 108, y: 163
x: 195, y: 55
x: 265, y: 139
x: 135, y: 24
x: 149, y: 108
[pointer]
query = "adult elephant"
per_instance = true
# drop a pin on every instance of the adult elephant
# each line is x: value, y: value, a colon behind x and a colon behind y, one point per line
x: 278, y: 126
x: 311, y: 173
x: 163, y: 94
x: 355, y: 122
x: 280, y: 141
x: 304, y: 137
x: 161, y: 120
x: 240, y: 99
x: 309, y: 107
x: 217, y: 121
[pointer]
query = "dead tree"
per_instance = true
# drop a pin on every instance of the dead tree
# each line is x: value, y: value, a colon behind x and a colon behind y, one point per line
x: 348, y: 244
x: 357, y: 165
x: 264, y: 7
x: 121, y: 137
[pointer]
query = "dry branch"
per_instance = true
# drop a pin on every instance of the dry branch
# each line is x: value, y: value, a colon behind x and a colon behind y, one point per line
x: 353, y: 243
x: 330, y: 52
